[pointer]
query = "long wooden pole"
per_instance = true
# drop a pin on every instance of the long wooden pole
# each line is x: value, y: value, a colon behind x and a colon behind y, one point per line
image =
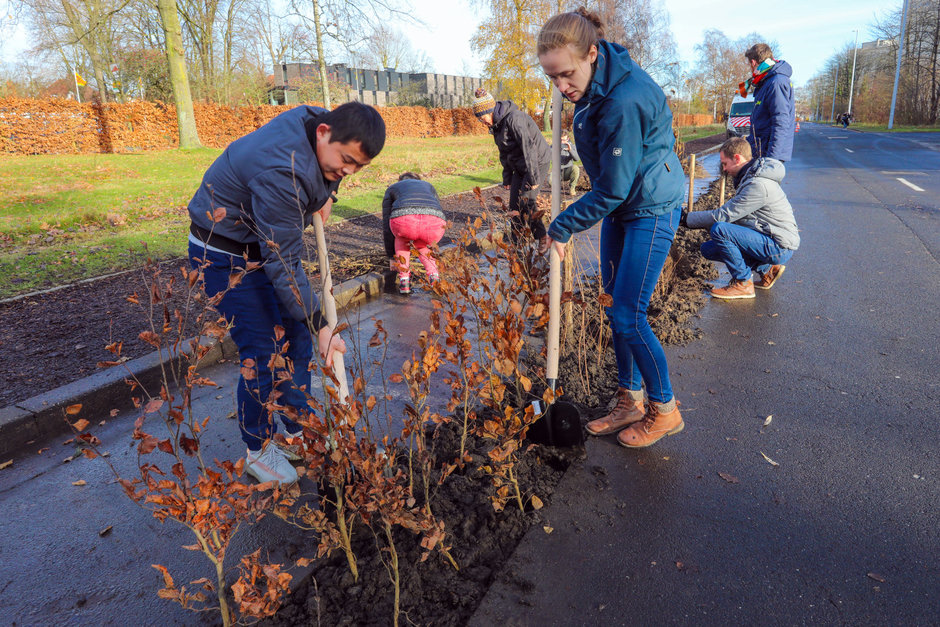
x: 328, y: 303
x: 554, y: 278
x: 691, y: 180
x: 721, y: 191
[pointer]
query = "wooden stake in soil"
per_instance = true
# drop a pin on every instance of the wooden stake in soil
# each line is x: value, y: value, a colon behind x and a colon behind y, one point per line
x: 721, y: 191
x: 328, y: 303
x: 691, y: 180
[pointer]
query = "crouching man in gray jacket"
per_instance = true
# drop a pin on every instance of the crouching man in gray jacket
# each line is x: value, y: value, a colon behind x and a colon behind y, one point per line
x: 755, y: 231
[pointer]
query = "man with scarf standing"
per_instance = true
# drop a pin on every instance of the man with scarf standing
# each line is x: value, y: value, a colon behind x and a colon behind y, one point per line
x: 774, y: 116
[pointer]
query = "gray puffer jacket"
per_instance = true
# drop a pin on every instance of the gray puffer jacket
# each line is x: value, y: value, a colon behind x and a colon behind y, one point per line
x: 759, y: 203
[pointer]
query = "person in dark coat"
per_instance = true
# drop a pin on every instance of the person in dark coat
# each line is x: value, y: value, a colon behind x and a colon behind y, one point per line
x: 570, y: 172
x: 412, y: 215
x: 773, y: 119
x: 525, y: 156
x: 623, y: 129
x: 248, y: 218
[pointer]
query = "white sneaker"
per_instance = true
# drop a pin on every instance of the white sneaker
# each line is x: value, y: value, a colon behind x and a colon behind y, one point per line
x: 270, y: 464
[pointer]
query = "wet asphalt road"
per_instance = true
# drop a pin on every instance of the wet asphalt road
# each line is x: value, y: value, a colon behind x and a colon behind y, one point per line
x: 843, y: 354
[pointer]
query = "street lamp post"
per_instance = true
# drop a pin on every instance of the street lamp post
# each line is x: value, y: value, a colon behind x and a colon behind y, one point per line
x: 852, y: 82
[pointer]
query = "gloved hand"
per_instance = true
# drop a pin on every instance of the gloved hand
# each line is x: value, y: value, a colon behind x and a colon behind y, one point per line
x: 683, y: 218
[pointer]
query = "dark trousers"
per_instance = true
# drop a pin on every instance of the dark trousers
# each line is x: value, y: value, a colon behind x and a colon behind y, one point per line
x: 255, y: 312
x: 523, y: 201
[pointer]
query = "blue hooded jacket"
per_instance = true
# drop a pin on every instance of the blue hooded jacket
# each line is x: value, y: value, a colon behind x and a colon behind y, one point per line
x: 774, y: 115
x: 623, y: 130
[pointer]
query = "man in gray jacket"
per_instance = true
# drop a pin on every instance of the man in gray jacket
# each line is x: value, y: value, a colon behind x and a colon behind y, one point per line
x: 754, y: 231
x: 246, y: 239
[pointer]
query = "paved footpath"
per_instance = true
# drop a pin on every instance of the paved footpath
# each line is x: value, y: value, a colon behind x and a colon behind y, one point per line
x: 843, y: 354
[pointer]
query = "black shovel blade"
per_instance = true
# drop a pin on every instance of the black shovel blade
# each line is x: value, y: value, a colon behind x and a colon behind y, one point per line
x: 560, y: 426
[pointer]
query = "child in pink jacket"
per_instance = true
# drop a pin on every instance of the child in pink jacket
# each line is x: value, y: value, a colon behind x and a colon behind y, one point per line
x: 412, y: 215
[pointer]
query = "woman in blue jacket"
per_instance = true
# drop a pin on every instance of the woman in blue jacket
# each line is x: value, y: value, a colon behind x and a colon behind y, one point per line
x: 623, y: 130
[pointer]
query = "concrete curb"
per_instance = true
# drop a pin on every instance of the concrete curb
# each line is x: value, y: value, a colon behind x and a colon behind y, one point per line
x: 43, y: 416
x: 708, y: 151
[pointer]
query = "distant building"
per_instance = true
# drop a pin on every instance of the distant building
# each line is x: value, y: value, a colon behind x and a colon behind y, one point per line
x: 376, y: 87
x: 879, y: 45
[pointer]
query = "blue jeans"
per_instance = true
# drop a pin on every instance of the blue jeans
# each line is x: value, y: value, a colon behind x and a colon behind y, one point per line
x: 253, y: 308
x: 632, y: 256
x: 743, y: 250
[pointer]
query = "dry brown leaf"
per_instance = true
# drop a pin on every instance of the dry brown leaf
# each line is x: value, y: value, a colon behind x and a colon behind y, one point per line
x: 106, y: 531
x: 81, y: 425
x: 876, y: 577
x: 548, y: 529
x: 71, y: 410
x: 768, y: 419
x: 6, y: 464
x: 769, y: 461
x: 537, y: 502
x: 79, y: 482
x: 727, y: 477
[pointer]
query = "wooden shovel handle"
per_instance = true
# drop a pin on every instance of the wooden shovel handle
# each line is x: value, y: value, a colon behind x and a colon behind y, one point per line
x: 328, y: 303
x: 554, y: 277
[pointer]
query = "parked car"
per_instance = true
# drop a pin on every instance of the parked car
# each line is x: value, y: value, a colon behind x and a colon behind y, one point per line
x: 739, y: 117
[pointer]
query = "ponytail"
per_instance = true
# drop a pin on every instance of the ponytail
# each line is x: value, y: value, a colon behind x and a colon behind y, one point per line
x: 581, y: 29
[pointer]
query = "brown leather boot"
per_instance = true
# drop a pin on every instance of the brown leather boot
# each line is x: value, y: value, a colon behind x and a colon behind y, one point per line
x: 770, y: 277
x: 654, y: 427
x: 626, y: 412
x: 734, y: 290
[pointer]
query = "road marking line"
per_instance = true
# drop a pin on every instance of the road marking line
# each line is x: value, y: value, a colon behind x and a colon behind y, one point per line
x: 839, y: 137
x: 849, y: 150
x: 911, y: 185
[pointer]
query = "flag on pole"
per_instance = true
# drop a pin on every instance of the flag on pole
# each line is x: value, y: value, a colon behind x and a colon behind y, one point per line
x: 79, y: 80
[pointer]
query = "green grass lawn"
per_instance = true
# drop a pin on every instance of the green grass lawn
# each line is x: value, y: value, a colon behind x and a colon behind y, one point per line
x: 883, y: 128
x: 68, y: 217
x: 688, y: 133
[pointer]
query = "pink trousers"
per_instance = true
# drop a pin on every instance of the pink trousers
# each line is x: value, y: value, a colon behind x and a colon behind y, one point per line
x: 420, y: 230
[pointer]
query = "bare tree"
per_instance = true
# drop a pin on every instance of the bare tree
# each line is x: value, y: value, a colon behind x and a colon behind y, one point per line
x: 722, y: 64
x: 644, y: 28
x: 77, y: 28
x: 347, y: 23
x: 389, y: 48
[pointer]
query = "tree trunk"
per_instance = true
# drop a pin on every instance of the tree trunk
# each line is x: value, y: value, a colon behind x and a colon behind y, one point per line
x: 179, y: 80
x: 934, y: 87
x: 321, y: 63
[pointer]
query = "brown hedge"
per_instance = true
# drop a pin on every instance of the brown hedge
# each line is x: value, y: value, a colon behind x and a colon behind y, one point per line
x: 696, y: 119
x: 65, y: 126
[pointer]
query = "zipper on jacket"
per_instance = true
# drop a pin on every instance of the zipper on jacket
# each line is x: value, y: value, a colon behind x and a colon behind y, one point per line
x: 577, y: 113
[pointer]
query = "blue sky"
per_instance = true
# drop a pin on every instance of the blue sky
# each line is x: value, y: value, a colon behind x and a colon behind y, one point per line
x: 808, y: 31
